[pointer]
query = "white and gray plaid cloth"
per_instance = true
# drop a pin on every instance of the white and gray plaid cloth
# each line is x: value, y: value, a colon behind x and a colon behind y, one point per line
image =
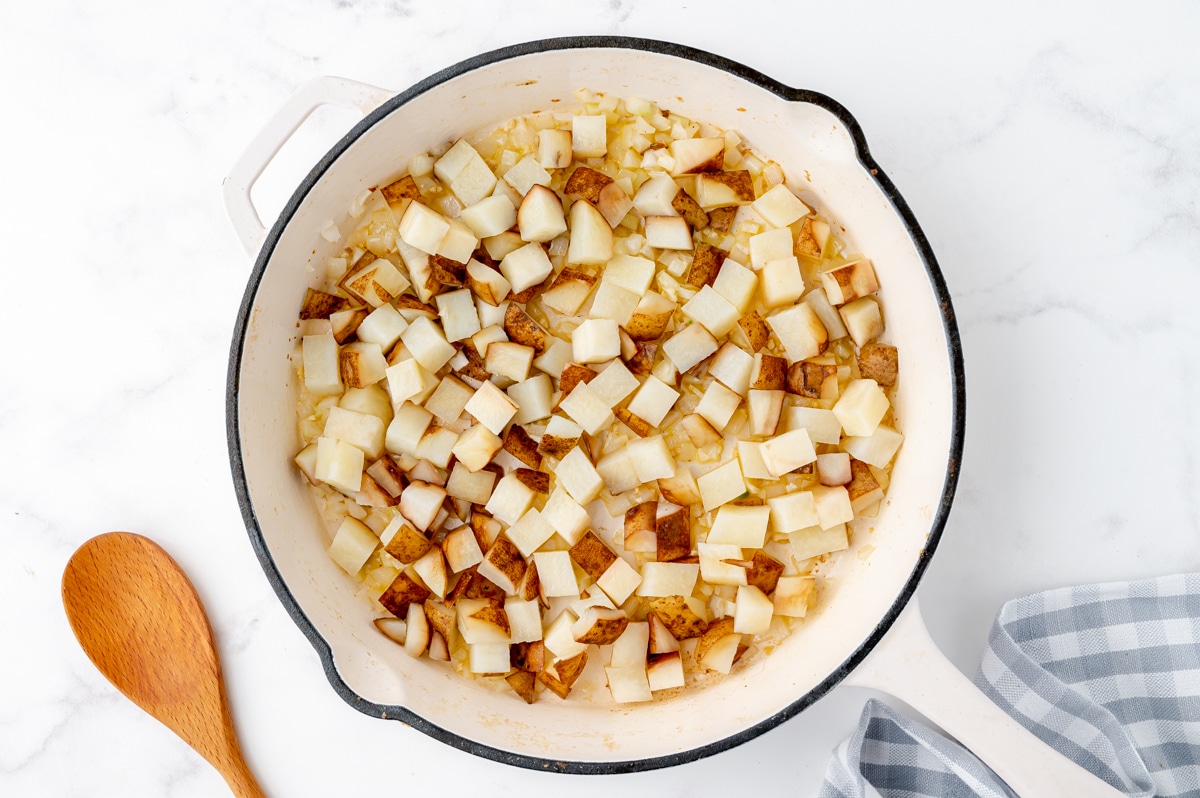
x: 1107, y: 674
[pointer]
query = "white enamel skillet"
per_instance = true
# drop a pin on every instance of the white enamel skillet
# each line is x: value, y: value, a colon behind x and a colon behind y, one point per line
x: 868, y: 629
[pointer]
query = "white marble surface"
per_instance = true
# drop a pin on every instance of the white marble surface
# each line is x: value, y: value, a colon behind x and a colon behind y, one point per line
x: 1053, y: 158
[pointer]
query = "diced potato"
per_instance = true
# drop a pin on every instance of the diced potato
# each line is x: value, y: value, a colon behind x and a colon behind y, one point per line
x: 849, y: 281
x: 800, y: 331
x: 614, y: 302
x: 689, y: 346
x: 814, y: 541
x: 578, y: 477
x: 427, y: 343
x: 712, y: 310
x: 357, y: 429
x: 833, y: 468
x: 833, y: 505
x: 554, y: 148
x: 422, y: 227
x: 320, y: 358
x: 785, y: 453
x: 754, y: 611
x: 780, y: 282
x: 509, y: 360
x: 769, y: 246
x: 353, y: 545
x: 765, y: 408
x: 510, y: 500
x: 556, y: 573
x: 793, y: 511
x: 589, y: 136
x: 653, y: 401
x: 491, y: 407
x: 665, y: 672
x: 596, y: 341
x: 750, y: 456
x: 339, y: 464
x: 525, y: 174
x: 822, y: 425
x: 382, y: 326
x: 490, y: 216
x: 668, y: 579
x: 736, y: 283
x: 420, y: 503
x: 591, y: 236
x: 792, y: 595
x: 566, y: 516
x: 526, y: 267
x: 524, y: 620
x: 456, y: 310
x: 587, y: 409
x: 614, y: 383
x: 876, y: 449
x: 715, y: 567
x: 474, y: 487
x: 407, y: 428
x: 668, y: 232
x: 476, y: 447
x: 533, y: 397
x: 780, y: 206
x: 863, y: 320
x: 861, y: 407
x: 745, y: 527
x: 722, y: 484
x: 717, y: 405
x: 619, y: 580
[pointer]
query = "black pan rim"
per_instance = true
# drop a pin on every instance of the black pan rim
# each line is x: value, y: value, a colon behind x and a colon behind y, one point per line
x: 937, y: 283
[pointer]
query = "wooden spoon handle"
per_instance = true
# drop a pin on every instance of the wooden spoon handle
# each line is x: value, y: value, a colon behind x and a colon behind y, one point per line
x: 239, y: 778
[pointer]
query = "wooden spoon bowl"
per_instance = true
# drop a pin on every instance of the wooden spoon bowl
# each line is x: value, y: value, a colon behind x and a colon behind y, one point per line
x: 140, y: 621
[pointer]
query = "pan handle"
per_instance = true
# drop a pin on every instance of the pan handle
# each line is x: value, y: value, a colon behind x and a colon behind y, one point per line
x: 262, y: 150
x: 908, y: 665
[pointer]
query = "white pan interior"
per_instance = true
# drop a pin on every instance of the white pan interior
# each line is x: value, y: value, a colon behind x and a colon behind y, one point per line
x: 809, y: 142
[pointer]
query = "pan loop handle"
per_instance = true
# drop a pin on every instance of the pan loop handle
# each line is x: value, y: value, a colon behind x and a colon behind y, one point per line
x: 264, y: 147
x: 908, y: 665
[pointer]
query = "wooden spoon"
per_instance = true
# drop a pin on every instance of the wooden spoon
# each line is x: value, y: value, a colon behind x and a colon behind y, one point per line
x: 141, y: 623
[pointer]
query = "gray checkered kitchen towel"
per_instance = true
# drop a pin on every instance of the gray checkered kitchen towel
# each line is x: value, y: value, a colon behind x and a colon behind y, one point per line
x: 1107, y: 674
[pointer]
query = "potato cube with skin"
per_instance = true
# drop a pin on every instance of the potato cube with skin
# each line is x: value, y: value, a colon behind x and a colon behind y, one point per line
x: 780, y: 282
x: 320, y: 358
x: 721, y: 485
x: 769, y: 246
x: 833, y: 505
x: 566, y: 516
x: 793, y: 511
x: 765, y: 408
x: 849, y: 281
x: 357, y: 429
x: 587, y: 409
x: 800, y: 331
x: 554, y: 149
x: 716, y: 564
x: 653, y: 401
x: 556, y: 574
x: 503, y: 565
x: 827, y: 313
x: 787, y: 452
x: 569, y: 291
x: 861, y: 407
x: 491, y: 407
x: 511, y: 499
x: 471, y: 486
x: 822, y: 425
x: 340, y: 464
x: 665, y: 672
x: 780, y: 206
x: 383, y: 326
x: 486, y: 283
x: 534, y: 398
x: 526, y: 267
x: 689, y: 346
x: 479, y: 621
x: 737, y: 284
x: 792, y: 595
x: 476, y: 447
x: 423, y: 228
x: 529, y: 533
x: 876, y: 449
x: 428, y: 345
x: 732, y: 365
x: 863, y: 320
x: 353, y: 545
x: 420, y: 503
x: 613, y: 204
x: 740, y: 526
x: 449, y: 399
x: 456, y: 309
x: 596, y: 341
x: 813, y: 541
x: 717, y: 405
x: 754, y: 611
x: 712, y: 310
x: 362, y: 364
x: 589, y: 136
x: 619, y: 580
x: 509, y: 360
x: 578, y: 477
x: 490, y: 216
x: 662, y: 579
